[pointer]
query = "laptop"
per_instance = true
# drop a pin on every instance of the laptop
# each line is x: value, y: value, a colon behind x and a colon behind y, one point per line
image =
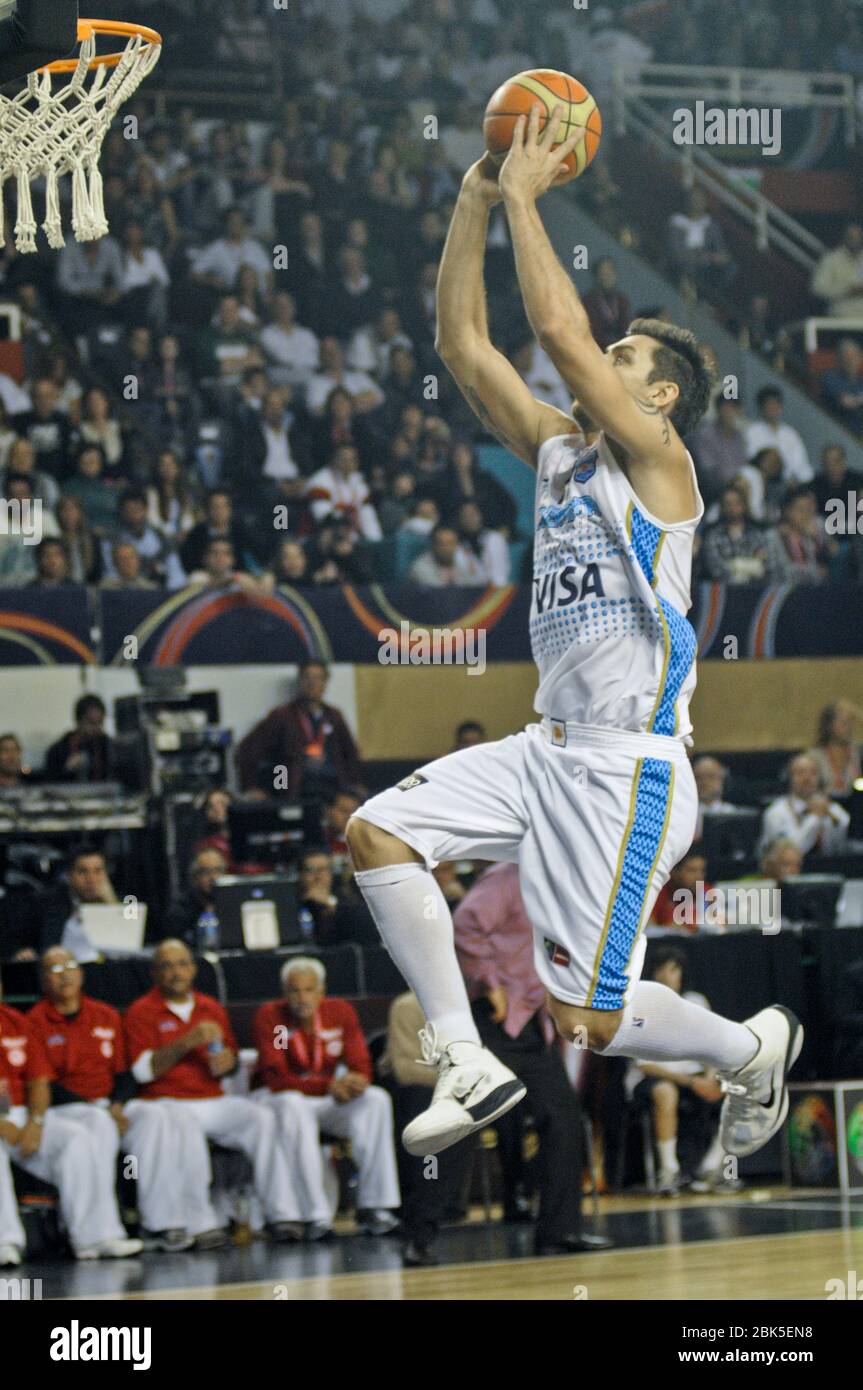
x: 849, y: 909
x: 256, y: 912
x: 115, y: 929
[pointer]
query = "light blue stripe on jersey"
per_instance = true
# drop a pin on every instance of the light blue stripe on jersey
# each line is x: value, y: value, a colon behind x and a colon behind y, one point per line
x: 641, y: 851
x: 679, y: 634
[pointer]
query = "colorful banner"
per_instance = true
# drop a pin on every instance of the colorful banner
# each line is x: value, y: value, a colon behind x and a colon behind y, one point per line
x: 204, y: 627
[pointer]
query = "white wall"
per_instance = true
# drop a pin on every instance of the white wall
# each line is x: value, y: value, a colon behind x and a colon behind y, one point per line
x: 36, y: 702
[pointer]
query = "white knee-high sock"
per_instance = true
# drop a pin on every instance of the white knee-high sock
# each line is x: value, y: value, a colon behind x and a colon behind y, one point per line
x: 659, y: 1026
x: 413, y: 918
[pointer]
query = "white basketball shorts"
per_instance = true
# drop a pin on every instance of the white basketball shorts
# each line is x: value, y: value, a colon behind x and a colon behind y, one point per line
x: 595, y: 818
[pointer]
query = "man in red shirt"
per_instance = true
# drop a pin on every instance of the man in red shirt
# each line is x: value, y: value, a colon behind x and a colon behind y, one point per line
x: 314, y: 1046
x: 180, y: 1044
x: 92, y: 1086
x: 50, y: 1148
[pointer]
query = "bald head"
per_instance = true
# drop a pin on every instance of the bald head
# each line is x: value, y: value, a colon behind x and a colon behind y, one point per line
x: 709, y: 779
x: 62, y: 979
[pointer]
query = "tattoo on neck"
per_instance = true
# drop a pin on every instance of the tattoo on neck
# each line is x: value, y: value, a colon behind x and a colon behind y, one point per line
x: 648, y: 408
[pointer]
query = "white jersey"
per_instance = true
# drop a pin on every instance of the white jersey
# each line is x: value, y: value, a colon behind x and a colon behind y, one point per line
x: 611, y: 590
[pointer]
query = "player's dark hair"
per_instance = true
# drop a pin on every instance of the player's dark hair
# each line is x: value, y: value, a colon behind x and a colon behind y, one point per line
x: 679, y: 358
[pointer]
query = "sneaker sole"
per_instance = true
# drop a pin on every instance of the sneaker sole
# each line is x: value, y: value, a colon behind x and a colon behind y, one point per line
x: 495, y: 1104
x: 792, y: 1052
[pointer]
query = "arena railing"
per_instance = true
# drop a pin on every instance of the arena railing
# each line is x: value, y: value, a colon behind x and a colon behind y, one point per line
x: 635, y: 87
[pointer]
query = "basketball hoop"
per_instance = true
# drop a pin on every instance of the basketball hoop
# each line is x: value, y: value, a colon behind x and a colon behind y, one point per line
x: 48, y: 130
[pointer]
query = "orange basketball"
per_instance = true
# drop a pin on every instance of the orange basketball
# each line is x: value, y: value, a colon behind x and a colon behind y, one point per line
x: 550, y: 88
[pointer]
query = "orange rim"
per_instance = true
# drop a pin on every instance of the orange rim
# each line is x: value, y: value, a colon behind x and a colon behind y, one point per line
x: 115, y: 27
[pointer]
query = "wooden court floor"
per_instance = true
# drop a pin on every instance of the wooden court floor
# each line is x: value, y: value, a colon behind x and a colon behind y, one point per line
x: 795, y: 1266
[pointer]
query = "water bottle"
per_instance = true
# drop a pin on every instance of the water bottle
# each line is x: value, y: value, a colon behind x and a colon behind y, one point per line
x: 307, y: 924
x: 208, y: 931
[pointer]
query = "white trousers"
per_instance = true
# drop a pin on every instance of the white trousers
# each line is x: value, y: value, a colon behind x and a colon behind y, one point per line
x: 169, y: 1149
x: 68, y: 1158
x: 367, y: 1121
x: 236, y: 1123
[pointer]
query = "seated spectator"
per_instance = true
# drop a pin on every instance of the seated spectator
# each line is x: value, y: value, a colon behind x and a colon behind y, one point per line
x: 126, y: 569
x: 446, y: 562
x: 395, y: 504
x: 175, y: 401
x: 270, y: 450
x: 282, y: 193
x: 289, y: 566
x: 683, y: 1101
x: 697, y: 249
x: 718, y: 448
x: 13, y: 773
x: 292, y: 351
x: 89, y: 285
x: 469, y: 734
x: 308, y: 274
x: 838, y: 276
x: 797, y: 549
x: 226, y: 348
x: 85, y: 754
x: 607, y: 307
x: 341, y: 423
x: 837, y: 753
x: 46, y: 428
x: 180, y: 1044
x: 760, y: 331
x: 333, y: 920
x: 835, y: 478
x: 338, y: 554
x: 53, y: 1149
x: 710, y: 778
x: 764, y: 485
x: 18, y: 539
x: 370, y: 349
x: 159, y: 560
x: 183, y: 918
x: 806, y: 816
x: 677, y: 901
x: 405, y: 386
x: 341, y: 489
x: 842, y: 386
x: 366, y: 394
x: 99, y: 426
x: 90, y: 488
x: 145, y: 279
x: 52, y: 564
x: 22, y: 459
x: 218, y: 264
x: 734, y: 550
x: 488, y: 547
x: 353, y: 299
x: 170, y: 506
x: 336, y: 816
x: 462, y: 480
x: 783, y: 859
x: 219, y: 569
x: 133, y: 367
x: 313, y: 1044
x: 424, y: 517
x: 82, y: 547
x: 54, y: 918
x: 219, y: 523
x: 771, y: 431
x: 306, y: 738
x: 92, y: 1088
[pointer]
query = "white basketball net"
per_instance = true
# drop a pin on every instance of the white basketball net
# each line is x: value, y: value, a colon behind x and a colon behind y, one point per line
x: 45, y: 133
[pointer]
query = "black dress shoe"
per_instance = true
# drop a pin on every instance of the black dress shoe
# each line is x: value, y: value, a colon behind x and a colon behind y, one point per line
x: 572, y: 1245
x: 416, y: 1255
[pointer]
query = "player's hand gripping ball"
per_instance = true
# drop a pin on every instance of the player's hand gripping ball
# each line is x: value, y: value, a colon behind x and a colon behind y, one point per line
x: 549, y: 89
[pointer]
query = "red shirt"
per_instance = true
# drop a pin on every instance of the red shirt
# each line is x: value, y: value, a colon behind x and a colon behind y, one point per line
x: 150, y: 1024
x: 21, y: 1056
x: 86, y: 1050
x: 291, y: 1058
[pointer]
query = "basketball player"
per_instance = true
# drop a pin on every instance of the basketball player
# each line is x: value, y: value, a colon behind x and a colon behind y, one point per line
x: 596, y: 802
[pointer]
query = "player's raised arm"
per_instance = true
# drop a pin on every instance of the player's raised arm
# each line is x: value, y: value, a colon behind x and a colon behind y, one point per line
x: 488, y: 381
x: 641, y: 423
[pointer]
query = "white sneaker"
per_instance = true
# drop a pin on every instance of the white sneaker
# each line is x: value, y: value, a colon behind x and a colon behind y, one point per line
x: 473, y: 1088
x: 756, y: 1099
x: 117, y: 1249
x: 9, y: 1255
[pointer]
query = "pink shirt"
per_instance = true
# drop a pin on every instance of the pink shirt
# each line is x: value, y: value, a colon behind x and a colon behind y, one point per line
x: 494, y: 942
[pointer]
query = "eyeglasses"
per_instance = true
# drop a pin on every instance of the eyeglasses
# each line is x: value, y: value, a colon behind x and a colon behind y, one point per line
x: 59, y: 969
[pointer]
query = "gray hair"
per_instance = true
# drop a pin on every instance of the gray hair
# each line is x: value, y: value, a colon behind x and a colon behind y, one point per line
x: 291, y: 967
